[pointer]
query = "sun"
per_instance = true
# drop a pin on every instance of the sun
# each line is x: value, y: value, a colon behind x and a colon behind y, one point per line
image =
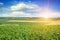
x: 45, y: 17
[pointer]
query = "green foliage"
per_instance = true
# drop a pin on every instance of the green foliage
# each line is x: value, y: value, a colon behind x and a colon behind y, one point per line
x: 29, y: 31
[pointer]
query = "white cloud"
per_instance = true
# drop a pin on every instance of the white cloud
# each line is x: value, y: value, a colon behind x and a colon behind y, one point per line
x: 1, y: 3
x: 16, y: 14
x: 30, y: 10
x: 18, y: 6
x: 23, y: 5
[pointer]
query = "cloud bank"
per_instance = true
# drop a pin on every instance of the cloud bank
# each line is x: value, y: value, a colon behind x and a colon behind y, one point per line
x: 1, y: 3
x: 30, y: 10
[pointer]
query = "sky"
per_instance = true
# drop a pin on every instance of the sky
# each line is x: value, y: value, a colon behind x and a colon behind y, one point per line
x: 30, y: 8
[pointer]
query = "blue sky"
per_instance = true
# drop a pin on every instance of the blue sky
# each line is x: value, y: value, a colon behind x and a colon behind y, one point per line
x: 29, y: 8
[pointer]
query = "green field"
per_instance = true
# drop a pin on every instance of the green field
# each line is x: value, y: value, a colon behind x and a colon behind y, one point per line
x: 28, y: 30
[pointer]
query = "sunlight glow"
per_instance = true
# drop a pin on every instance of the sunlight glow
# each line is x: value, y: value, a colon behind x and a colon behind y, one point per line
x: 47, y: 13
x: 45, y: 16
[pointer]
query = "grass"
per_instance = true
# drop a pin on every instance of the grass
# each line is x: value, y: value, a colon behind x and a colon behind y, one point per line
x: 28, y: 31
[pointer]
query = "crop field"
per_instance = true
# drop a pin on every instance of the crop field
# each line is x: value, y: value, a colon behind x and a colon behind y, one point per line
x: 29, y: 29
